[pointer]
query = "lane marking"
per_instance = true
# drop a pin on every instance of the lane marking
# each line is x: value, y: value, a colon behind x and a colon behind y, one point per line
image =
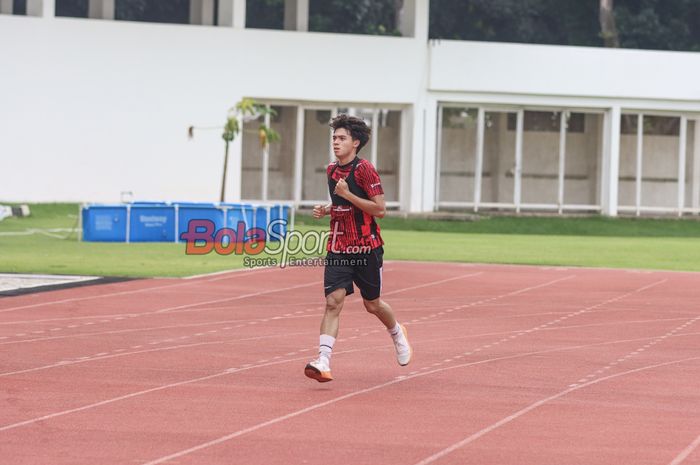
x: 535, y: 405
x: 430, y: 459
x: 686, y: 452
x: 134, y: 291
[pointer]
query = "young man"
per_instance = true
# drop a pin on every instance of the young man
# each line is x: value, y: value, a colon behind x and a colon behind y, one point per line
x: 355, y: 245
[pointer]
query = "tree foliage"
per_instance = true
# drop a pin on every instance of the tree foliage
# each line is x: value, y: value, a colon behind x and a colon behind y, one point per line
x: 357, y: 17
x: 659, y: 24
x: 264, y: 14
x: 354, y: 17
x: 172, y: 11
x: 649, y: 24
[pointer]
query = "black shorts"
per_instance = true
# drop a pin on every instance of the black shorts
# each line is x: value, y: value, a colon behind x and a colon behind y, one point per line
x: 365, y: 270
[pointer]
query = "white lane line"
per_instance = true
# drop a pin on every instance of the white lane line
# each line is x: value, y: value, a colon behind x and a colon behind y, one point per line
x: 173, y: 309
x: 539, y: 403
x: 430, y: 459
x: 249, y: 366
x: 686, y: 452
x: 637, y: 351
x: 433, y: 283
x: 253, y: 322
x: 238, y: 297
x: 576, y: 313
x: 519, y: 291
x: 134, y: 291
x: 471, y: 336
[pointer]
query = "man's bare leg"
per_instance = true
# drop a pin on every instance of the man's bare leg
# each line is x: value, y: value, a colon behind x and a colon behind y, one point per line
x: 320, y: 369
x: 383, y: 311
x: 331, y: 317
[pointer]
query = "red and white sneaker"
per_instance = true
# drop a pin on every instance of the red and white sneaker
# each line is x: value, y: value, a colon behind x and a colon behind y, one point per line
x: 404, y: 352
x: 319, y: 370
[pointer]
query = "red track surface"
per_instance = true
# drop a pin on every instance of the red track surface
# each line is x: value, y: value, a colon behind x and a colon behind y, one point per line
x: 512, y: 365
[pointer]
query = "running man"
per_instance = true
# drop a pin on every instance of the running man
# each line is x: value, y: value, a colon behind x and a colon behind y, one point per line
x: 355, y: 246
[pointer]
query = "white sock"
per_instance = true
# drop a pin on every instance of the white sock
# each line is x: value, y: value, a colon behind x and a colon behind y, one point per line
x: 325, y: 347
x: 396, y: 331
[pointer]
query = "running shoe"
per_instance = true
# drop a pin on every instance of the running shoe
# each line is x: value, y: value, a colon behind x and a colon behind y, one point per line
x: 318, y: 370
x: 404, y: 352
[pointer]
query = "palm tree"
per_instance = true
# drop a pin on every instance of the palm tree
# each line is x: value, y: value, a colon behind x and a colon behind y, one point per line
x: 244, y: 111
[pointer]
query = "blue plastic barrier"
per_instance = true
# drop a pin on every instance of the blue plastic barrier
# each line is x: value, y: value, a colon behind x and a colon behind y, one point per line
x: 166, y: 222
x: 189, y: 212
x: 105, y: 223
x: 151, y: 223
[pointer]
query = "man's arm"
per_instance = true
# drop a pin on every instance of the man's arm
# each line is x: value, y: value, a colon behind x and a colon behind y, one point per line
x: 375, y: 206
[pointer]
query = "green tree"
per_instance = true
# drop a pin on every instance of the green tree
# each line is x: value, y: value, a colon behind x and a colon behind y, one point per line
x: 357, y: 17
x: 245, y: 110
x: 659, y: 24
x: 649, y: 24
x: 172, y: 11
x: 264, y: 14
x: 526, y: 21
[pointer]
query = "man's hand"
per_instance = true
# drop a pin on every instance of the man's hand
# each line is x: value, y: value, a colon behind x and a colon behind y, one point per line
x: 342, y: 189
x: 319, y: 211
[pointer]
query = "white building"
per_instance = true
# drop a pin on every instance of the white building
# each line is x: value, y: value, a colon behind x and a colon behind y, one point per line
x: 90, y: 108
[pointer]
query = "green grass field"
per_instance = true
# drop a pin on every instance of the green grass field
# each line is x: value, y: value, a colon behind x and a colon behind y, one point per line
x: 664, y: 244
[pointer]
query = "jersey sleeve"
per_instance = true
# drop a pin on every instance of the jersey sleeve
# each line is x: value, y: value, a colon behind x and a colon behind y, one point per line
x: 367, y: 178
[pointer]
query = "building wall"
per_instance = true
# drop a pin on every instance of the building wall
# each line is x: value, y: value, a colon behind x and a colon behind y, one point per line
x: 564, y: 71
x: 93, y: 108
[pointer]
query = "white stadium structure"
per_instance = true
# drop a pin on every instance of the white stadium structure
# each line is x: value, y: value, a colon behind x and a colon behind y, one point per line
x: 92, y: 107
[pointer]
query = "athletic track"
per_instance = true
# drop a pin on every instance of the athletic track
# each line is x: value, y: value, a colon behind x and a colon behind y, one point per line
x: 512, y: 365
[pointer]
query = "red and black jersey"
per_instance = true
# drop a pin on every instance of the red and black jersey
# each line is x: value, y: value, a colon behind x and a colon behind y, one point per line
x: 350, y: 226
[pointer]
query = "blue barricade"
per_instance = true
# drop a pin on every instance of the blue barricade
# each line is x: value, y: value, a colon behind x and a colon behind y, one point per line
x: 166, y: 222
x: 189, y: 212
x: 104, y: 223
x: 151, y: 223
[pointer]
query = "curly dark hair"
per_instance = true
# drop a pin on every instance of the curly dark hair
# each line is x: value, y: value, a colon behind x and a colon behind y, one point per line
x: 357, y: 128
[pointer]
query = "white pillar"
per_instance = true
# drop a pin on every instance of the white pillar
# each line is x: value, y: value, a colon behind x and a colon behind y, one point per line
x: 438, y: 157
x: 6, y: 7
x: 101, y: 9
x: 478, y: 167
x: 374, y: 141
x: 413, y: 19
x: 41, y: 8
x: 695, y: 200
x: 299, y: 156
x: 611, y: 161
x: 407, y: 18
x: 518, y: 175
x: 232, y: 13
x: 681, y: 163
x: 421, y: 119
x: 415, y: 117
x: 405, y: 160
x: 562, y: 160
x: 640, y: 165
x: 202, y: 12
x: 431, y: 156
x: 296, y: 15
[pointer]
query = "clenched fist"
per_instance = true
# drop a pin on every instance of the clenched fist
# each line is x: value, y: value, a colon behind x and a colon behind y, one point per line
x: 319, y: 211
x: 342, y: 189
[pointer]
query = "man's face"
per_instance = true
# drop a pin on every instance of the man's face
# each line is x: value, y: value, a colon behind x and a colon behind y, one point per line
x: 343, y: 144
